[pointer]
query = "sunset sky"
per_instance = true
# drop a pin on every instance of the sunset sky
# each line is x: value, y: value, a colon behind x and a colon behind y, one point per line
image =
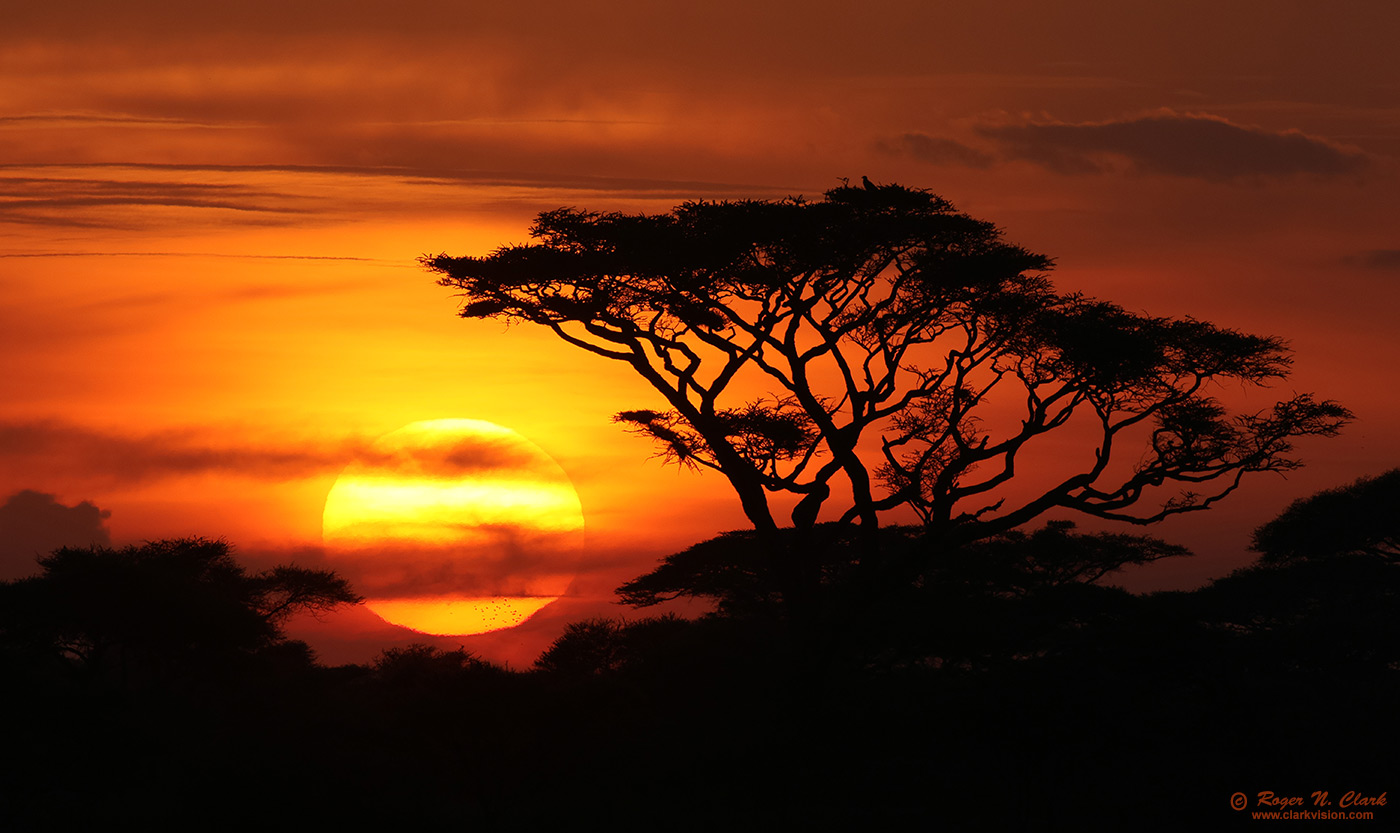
x: 210, y: 220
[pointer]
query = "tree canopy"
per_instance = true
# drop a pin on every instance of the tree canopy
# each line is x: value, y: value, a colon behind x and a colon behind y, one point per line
x: 160, y: 608
x: 877, y: 349
x: 1362, y: 518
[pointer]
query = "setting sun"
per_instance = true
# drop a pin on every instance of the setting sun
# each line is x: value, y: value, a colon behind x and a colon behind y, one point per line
x: 455, y: 527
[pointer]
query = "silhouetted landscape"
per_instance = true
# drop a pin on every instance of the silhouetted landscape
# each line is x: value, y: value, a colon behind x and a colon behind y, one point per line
x: 699, y: 416
x: 1008, y: 691
x: 970, y: 666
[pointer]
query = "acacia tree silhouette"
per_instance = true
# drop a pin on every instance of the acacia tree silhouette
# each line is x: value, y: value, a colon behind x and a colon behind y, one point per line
x: 906, y: 353
x: 1324, y: 591
x: 1360, y: 519
x: 160, y: 609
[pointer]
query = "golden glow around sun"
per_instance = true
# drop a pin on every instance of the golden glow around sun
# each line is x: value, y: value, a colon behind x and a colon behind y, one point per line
x: 454, y: 527
x: 375, y: 507
x: 459, y: 615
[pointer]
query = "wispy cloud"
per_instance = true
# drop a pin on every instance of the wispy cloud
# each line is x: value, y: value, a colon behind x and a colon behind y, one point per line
x: 545, y: 181
x: 260, y: 291
x: 87, y: 202
x: 86, y: 455
x: 1175, y: 144
x: 105, y: 120
x: 492, y: 560
x: 935, y: 150
x: 1385, y: 260
x: 133, y: 195
x: 513, y: 568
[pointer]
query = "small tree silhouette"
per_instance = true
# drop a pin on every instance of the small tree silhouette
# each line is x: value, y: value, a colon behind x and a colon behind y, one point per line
x: 594, y: 646
x: 1325, y: 590
x: 1360, y: 519
x: 161, y: 609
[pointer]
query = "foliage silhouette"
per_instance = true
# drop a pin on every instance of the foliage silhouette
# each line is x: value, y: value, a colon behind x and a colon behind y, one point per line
x: 424, y: 666
x: 998, y: 685
x: 161, y: 610
x: 1003, y: 597
x: 593, y: 646
x: 881, y: 342
x: 659, y: 647
x: 725, y: 569
x: 1361, y: 519
x: 1310, y: 615
x: 1007, y: 678
x: 1325, y: 591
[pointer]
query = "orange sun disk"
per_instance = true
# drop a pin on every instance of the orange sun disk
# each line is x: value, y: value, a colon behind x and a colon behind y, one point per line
x: 434, y: 522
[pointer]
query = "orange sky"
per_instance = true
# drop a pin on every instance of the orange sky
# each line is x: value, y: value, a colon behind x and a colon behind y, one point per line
x: 209, y: 220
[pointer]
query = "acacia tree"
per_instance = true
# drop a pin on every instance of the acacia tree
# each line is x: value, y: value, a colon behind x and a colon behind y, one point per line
x: 163, y: 605
x: 908, y: 355
x: 1359, y: 519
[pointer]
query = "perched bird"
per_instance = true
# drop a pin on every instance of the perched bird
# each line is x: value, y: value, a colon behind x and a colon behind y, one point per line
x: 869, y: 186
